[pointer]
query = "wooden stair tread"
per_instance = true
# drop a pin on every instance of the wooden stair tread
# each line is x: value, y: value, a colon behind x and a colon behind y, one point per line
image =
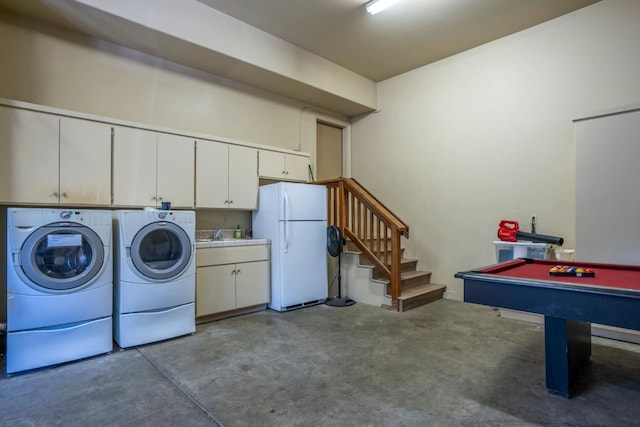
x: 369, y: 263
x: 420, y: 295
x: 411, y: 279
x: 406, y: 266
x: 421, y: 290
x: 412, y: 274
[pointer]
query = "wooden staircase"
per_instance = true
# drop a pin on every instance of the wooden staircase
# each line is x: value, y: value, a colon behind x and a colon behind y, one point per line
x: 373, y: 232
x: 416, y: 288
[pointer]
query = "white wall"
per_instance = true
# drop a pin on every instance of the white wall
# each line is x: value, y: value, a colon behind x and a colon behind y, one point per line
x: 46, y: 65
x: 488, y: 135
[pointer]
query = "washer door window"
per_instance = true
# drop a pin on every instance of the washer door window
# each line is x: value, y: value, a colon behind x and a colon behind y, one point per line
x: 161, y: 250
x: 62, y: 256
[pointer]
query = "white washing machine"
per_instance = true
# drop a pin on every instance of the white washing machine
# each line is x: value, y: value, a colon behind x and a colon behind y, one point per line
x: 59, y: 286
x: 155, y: 275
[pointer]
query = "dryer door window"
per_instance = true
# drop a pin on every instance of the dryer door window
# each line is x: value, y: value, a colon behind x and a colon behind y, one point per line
x: 62, y: 256
x: 161, y: 250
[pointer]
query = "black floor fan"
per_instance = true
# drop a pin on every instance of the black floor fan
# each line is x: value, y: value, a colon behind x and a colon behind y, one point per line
x: 335, y: 242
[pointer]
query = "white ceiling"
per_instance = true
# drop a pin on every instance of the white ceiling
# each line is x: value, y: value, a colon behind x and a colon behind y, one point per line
x: 409, y: 35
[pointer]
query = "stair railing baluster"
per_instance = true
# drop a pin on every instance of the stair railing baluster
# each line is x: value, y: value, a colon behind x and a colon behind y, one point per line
x: 360, y: 233
x: 370, y: 229
x: 365, y: 217
x: 377, y: 252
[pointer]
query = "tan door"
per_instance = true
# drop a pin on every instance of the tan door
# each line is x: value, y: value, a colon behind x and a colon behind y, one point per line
x: 328, y: 152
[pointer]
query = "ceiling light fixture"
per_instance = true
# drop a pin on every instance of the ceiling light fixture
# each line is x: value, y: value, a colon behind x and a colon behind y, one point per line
x: 375, y: 6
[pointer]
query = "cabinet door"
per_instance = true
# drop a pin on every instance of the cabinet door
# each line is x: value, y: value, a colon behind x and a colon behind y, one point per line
x: 271, y: 164
x: 29, y: 160
x: 212, y: 174
x: 85, y: 162
x: 215, y: 289
x: 252, y: 283
x: 243, y: 177
x: 134, y: 167
x: 176, y: 170
x: 296, y: 168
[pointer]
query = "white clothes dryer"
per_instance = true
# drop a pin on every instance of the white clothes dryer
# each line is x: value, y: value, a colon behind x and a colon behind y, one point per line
x: 155, y: 275
x: 59, y: 286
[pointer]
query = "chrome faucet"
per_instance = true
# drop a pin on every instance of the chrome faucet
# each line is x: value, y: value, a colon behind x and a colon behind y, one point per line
x: 218, y: 234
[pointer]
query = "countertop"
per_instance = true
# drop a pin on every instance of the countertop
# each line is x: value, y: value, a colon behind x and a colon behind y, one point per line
x: 230, y: 242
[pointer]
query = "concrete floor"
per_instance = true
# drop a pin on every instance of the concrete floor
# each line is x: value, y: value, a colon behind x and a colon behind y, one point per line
x: 447, y: 363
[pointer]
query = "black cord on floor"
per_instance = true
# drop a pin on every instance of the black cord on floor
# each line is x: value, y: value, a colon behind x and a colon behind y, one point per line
x: 333, y: 282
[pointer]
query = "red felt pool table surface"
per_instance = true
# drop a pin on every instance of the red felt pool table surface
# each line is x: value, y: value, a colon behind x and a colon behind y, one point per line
x: 613, y: 276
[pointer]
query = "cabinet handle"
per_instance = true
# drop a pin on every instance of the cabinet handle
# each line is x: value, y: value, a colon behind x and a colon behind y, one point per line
x: 55, y: 194
x: 286, y: 173
x: 233, y: 272
x: 63, y: 194
x: 153, y: 198
x: 230, y: 201
x: 237, y: 272
x: 226, y: 202
x: 159, y: 199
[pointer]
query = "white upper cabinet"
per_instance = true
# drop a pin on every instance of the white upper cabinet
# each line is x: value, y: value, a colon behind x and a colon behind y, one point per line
x: 150, y: 168
x: 176, y: 170
x: 243, y: 177
x: 85, y: 162
x: 47, y: 159
x: 134, y: 167
x: 283, y: 166
x: 50, y: 156
x: 226, y: 176
x: 29, y: 161
x: 212, y: 174
x: 297, y: 167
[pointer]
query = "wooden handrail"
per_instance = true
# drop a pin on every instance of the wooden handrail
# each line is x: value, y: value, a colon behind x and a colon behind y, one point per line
x: 370, y: 225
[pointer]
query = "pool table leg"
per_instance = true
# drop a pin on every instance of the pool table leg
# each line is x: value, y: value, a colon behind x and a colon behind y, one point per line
x: 567, y: 351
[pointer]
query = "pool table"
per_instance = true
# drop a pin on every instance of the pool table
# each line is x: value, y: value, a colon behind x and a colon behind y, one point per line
x: 569, y: 305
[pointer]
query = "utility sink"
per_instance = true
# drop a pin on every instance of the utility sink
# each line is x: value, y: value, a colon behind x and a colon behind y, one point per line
x: 226, y: 239
x: 210, y: 243
x: 204, y: 239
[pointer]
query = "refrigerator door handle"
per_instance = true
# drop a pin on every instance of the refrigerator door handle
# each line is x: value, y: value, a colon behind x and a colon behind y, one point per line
x: 285, y: 214
x: 286, y: 236
x: 286, y: 205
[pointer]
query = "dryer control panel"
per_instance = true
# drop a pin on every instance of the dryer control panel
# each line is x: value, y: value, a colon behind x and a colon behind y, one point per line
x: 85, y: 216
x: 179, y: 217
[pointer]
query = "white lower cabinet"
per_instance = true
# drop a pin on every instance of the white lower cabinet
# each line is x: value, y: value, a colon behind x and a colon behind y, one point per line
x: 231, y: 278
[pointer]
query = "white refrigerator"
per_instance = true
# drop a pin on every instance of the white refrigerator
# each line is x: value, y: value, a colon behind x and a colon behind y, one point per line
x: 294, y: 217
